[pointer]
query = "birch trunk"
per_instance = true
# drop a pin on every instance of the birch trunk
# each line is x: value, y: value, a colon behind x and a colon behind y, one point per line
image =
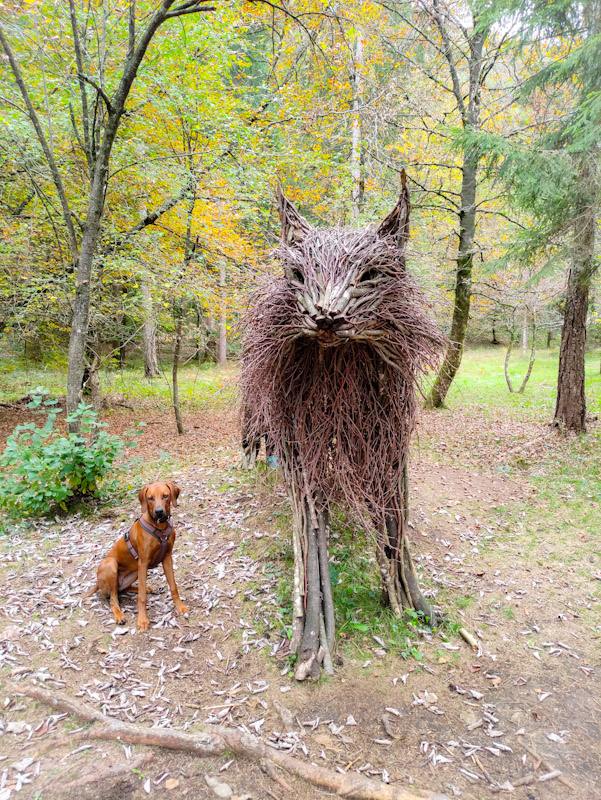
x: 222, y: 348
x: 151, y: 363
x: 176, y: 354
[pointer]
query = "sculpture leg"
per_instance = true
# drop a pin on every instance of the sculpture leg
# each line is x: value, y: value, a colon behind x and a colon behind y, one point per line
x: 313, y: 606
x: 251, y: 444
x: 250, y: 452
x: 399, y: 577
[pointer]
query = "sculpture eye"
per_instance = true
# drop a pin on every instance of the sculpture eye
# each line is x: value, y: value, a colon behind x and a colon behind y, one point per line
x: 368, y: 275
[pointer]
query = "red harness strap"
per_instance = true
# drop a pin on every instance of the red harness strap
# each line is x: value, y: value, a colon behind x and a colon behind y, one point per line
x: 162, y: 535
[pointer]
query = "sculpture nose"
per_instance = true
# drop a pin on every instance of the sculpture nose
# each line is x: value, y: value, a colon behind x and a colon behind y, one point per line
x: 328, y: 321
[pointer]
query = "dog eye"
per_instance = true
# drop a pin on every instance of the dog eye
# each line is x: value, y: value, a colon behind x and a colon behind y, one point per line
x: 165, y: 496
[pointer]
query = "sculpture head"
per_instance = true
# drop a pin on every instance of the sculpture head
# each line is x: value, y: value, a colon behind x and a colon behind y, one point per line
x: 341, y: 278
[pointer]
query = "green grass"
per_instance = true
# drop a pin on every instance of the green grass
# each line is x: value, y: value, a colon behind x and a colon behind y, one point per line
x: 480, y: 383
x: 200, y: 388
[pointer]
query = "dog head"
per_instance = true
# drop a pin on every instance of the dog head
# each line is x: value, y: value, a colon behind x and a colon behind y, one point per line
x: 156, y: 499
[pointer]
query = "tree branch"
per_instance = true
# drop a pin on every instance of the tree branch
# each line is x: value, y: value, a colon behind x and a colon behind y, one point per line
x: 84, y: 98
x: 449, y: 57
x: 99, y: 90
x: 192, y: 7
x: 56, y: 177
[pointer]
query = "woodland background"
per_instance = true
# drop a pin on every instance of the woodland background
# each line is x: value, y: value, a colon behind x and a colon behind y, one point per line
x: 492, y: 110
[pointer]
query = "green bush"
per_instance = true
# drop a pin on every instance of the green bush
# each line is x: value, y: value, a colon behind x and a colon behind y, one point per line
x: 43, y: 469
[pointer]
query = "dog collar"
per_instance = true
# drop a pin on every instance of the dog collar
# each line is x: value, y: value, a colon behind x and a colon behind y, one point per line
x: 163, y: 537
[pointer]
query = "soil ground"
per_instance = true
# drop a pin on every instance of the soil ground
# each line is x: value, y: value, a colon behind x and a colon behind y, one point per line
x: 432, y: 714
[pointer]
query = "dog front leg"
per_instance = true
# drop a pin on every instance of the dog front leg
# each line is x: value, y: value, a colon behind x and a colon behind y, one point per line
x: 143, y: 622
x: 168, y: 570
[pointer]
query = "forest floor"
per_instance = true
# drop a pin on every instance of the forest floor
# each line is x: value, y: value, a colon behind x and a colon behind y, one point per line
x: 504, y: 520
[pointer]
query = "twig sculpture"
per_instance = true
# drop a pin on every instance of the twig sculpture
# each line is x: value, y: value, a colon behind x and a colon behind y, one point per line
x: 332, y: 353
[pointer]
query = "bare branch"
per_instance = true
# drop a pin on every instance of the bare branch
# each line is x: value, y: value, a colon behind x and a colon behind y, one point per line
x: 56, y: 177
x: 132, y: 28
x: 449, y: 57
x: 99, y: 90
x: 84, y: 98
x: 192, y: 7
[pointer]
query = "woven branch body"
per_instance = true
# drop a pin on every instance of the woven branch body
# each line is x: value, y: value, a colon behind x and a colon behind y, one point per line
x: 332, y: 354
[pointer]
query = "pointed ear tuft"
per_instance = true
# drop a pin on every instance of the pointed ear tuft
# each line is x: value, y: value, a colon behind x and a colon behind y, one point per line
x: 294, y: 227
x: 396, y: 224
x: 174, y: 492
x: 142, y: 498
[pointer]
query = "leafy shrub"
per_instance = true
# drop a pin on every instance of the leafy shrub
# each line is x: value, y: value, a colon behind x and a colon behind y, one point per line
x: 44, y: 468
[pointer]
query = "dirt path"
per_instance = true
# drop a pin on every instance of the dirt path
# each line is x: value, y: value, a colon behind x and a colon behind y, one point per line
x: 464, y: 723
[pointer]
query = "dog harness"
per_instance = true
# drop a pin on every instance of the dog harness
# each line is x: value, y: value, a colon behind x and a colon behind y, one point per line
x: 161, y: 535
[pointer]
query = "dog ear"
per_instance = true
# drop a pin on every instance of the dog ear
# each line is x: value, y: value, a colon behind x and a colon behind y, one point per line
x: 174, y: 492
x: 142, y: 498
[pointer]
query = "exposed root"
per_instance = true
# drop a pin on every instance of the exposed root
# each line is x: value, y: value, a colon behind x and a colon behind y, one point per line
x: 220, y: 739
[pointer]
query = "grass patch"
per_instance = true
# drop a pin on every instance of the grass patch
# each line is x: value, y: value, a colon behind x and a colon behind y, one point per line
x: 201, y: 387
x: 481, y: 383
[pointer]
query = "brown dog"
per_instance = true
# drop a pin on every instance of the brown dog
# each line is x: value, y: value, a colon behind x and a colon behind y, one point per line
x: 147, y: 544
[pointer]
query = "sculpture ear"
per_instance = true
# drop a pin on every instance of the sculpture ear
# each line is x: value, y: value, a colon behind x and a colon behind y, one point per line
x: 294, y: 227
x: 174, y: 492
x: 142, y: 498
x: 396, y: 224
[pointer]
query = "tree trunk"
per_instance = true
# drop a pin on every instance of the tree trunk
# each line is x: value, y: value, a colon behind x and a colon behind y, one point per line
x: 467, y: 211
x: 463, y: 284
x: 200, y: 336
x: 222, y: 349
x: 151, y: 364
x: 94, y: 382
x: 494, y: 328
x: 507, y: 354
x: 176, y: 353
x: 91, y: 233
x: 532, y: 356
x: 525, y: 333
x: 530, y: 363
x: 90, y: 385
x: 356, y: 145
x: 570, y: 409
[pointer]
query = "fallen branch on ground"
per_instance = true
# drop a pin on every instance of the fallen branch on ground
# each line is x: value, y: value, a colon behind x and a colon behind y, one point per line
x: 203, y: 743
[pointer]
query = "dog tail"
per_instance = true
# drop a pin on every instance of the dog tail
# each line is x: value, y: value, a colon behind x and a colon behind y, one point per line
x: 91, y: 592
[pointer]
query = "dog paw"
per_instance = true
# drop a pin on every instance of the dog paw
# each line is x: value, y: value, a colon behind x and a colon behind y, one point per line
x: 181, y: 610
x: 119, y: 617
x: 151, y: 590
x: 143, y: 624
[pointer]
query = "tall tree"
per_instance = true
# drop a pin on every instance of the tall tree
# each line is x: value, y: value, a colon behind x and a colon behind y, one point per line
x: 465, y: 46
x: 99, y: 135
x: 554, y: 172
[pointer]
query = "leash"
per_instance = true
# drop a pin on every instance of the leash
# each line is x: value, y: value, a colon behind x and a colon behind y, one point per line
x: 161, y: 535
